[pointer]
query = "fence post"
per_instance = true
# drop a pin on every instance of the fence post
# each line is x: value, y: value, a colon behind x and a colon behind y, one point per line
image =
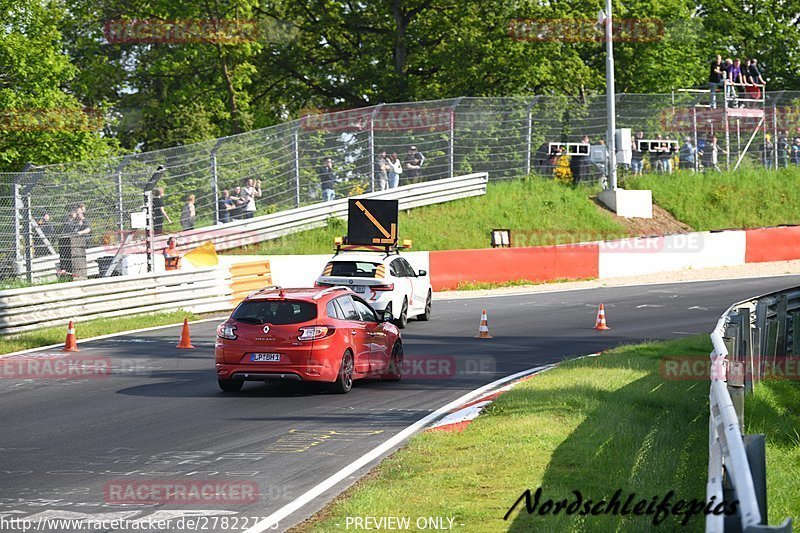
x: 372, y: 146
x: 452, y: 134
x: 775, y: 135
x: 529, y: 134
x: 296, y: 148
x: 215, y: 179
x: 694, y: 134
x: 18, y: 207
x: 150, y: 232
x: 120, y: 205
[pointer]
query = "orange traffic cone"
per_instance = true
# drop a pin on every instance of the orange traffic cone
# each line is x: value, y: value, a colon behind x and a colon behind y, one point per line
x: 186, y: 340
x: 483, y: 329
x: 71, y: 343
x: 600, y: 323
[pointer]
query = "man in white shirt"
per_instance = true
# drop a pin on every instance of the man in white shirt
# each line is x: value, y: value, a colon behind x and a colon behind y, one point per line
x: 250, y: 191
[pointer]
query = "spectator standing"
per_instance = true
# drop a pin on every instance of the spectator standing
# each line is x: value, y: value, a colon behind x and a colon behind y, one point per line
x: 663, y: 156
x: 249, y: 193
x: 236, y: 196
x: 225, y: 207
x: 578, y: 165
x: 327, y: 179
x: 47, y: 230
x: 710, y: 155
x: 768, y: 152
x: 188, y: 213
x: 716, y: 79
x: 783, y: 150
x: 733, y: 77
x: 795, y: 151
x: 382, y: 168
x: 159, y: 211
x: 637, y: 156
x: 395, y: 170
x: 754, y: 77
x: 687, y: 155
x: 413, y: 163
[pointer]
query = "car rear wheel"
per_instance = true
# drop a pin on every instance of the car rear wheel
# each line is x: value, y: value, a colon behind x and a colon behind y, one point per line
x: 427, y: 314
x: 402, y: 318
x: 230, y: 385
x: 344, y: 381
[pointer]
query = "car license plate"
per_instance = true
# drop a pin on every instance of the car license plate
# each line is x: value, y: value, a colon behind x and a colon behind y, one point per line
x: 359, y: 288
x: 265, y: 357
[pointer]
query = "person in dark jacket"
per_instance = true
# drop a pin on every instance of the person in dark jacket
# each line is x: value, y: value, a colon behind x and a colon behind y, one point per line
x: 327, y: 179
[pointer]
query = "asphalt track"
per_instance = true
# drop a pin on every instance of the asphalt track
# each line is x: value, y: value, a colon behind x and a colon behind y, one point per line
x: 160, y: 415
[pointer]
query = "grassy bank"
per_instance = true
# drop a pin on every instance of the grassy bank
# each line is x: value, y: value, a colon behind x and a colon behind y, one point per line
x: 536, y: 211
x: 774, y: 410
x: 90, y: 328
x: 749, y: 198
x: 594, y: 425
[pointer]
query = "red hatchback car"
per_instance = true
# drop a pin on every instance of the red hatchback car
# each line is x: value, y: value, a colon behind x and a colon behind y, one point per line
x: 321, y: 334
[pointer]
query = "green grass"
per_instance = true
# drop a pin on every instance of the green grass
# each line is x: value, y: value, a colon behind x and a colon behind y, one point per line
x: 595, y: 425
x: 774, y: 410
x: 537, y: 211
x: 747, y: 198
x: 90, y: 328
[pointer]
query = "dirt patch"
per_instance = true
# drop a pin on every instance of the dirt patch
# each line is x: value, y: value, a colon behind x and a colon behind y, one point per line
x: 662, y: 223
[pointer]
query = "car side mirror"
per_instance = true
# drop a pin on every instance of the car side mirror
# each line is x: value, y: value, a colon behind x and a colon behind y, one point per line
x: 387, y: 316
x: 423, y: 273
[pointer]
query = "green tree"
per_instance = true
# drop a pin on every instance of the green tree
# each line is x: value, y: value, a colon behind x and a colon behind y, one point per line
x: 40, y: 121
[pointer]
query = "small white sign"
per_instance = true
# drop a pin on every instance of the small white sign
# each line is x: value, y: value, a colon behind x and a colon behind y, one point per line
x: 139, y: 220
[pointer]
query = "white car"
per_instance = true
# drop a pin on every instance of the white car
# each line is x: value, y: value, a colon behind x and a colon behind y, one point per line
x: 386, y: 281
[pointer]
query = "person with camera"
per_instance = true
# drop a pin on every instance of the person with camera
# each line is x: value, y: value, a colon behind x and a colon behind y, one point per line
x: 249, y: 193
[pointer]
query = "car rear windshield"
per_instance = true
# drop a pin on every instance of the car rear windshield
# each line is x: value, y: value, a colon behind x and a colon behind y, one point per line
x: 353, y: 269
x: 275, y: 312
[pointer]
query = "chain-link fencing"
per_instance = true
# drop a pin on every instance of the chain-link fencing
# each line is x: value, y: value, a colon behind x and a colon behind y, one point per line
x: 506, y: 137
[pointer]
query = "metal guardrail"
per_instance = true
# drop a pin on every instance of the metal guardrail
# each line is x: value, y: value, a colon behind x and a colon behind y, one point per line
x: 750, y: 335
x: 30, y: 308
x: 243, y: 232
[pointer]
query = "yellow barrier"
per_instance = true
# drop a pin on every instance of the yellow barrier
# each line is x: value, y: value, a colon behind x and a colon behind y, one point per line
x: 248, y: 277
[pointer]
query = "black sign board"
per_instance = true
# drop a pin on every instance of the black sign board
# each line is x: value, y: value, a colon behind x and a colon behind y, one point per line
x: 372, y: 222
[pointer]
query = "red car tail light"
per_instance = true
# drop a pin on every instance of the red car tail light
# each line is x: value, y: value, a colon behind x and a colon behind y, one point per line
x: 315, y: 332
x: 227, y: 331
x: 389, y: 287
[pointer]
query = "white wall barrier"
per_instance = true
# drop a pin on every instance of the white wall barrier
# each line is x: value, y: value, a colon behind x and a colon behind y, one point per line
x: 647, y: 255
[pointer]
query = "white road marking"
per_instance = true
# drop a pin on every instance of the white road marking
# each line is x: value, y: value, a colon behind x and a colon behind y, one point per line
x: 648, y: 305
x: 698, y: 308
x: 272, y: 521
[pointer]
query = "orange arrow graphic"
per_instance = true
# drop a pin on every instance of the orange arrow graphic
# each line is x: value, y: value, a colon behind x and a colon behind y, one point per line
x: 377, y: 224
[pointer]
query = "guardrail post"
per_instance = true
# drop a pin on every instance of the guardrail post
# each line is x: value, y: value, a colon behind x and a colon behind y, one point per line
x: 755, y: 446
x: 782, y: 318
x: 736, y: 373
x: 215, y: 179
x: 452, y: 134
